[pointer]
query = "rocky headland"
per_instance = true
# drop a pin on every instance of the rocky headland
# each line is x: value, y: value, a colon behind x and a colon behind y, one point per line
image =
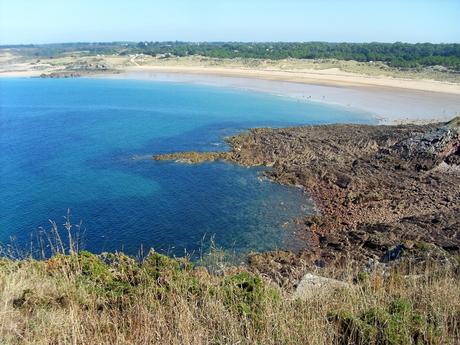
x: 80, y: 70
x: 383, y: 192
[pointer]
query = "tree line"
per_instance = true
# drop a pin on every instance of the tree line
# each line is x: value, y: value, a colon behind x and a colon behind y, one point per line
x: 398, y: 54
x: 401, y: 55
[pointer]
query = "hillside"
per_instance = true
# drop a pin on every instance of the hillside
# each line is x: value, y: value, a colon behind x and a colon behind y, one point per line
x: 113, y: 299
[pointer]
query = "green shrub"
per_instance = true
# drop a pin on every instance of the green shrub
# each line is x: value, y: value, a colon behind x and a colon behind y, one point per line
x: 362, y: 277
x: 247, y: 294
x: 398, y: 324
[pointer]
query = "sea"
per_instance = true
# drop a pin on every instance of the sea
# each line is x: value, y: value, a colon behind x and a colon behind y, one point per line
x: 84, y: 147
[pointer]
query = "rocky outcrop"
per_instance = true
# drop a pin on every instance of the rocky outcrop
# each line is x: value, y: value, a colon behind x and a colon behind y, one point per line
x: 376, y: 187
x: 80, y: 70
x: 427, y: 150
x: 311, y: 285
x: 191, y: 157
x: 63, y: 74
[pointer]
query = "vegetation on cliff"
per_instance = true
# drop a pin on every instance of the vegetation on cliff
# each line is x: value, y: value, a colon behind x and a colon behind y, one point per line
x: 81, y: 298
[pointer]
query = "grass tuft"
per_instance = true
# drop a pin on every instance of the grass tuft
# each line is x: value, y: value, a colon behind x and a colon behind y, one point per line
x: 76, y: 297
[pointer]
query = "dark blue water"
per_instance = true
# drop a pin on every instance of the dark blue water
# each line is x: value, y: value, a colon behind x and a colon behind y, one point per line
x: 69, y: 143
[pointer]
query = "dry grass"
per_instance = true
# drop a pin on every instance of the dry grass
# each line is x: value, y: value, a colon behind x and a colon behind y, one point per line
x: 112, y: 299
x: 75, y: 297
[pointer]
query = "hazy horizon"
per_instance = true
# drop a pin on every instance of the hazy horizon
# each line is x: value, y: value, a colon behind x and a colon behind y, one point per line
x: 52, y: 21
x: 202, y: 42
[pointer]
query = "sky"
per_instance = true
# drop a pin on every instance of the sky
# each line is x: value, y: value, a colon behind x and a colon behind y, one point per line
x: 54, y: 21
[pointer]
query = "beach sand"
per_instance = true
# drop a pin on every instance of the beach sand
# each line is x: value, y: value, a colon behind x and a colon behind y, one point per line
x: 328, y: 77
x: 388, y: 99
x: 387, y: 103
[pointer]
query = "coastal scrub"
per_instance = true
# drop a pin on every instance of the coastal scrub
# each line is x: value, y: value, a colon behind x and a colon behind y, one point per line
x: 84, y: 298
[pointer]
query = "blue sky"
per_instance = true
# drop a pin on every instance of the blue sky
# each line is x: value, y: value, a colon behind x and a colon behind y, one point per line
x: 47, y: 21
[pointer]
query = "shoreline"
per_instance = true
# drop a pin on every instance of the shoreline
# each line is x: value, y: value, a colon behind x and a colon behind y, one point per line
x: 389, y: 100
x: 325, y: 77
x: 388, y: 105
x: 383, y: 187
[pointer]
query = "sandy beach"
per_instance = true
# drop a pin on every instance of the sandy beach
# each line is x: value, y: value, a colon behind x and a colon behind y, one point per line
x: 414, y: 101
x: 328, y: 77
x: 389, y: 99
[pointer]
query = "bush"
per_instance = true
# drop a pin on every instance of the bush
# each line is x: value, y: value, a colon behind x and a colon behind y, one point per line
x: 398, y: 324
x: 247, y: 294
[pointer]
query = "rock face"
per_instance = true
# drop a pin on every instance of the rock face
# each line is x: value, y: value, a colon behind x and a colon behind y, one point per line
x: 312, y: 285
x: 430, y: 148
x: 376, y: 187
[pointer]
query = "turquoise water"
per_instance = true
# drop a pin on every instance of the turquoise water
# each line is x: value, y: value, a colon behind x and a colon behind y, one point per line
x: 69, y: 143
